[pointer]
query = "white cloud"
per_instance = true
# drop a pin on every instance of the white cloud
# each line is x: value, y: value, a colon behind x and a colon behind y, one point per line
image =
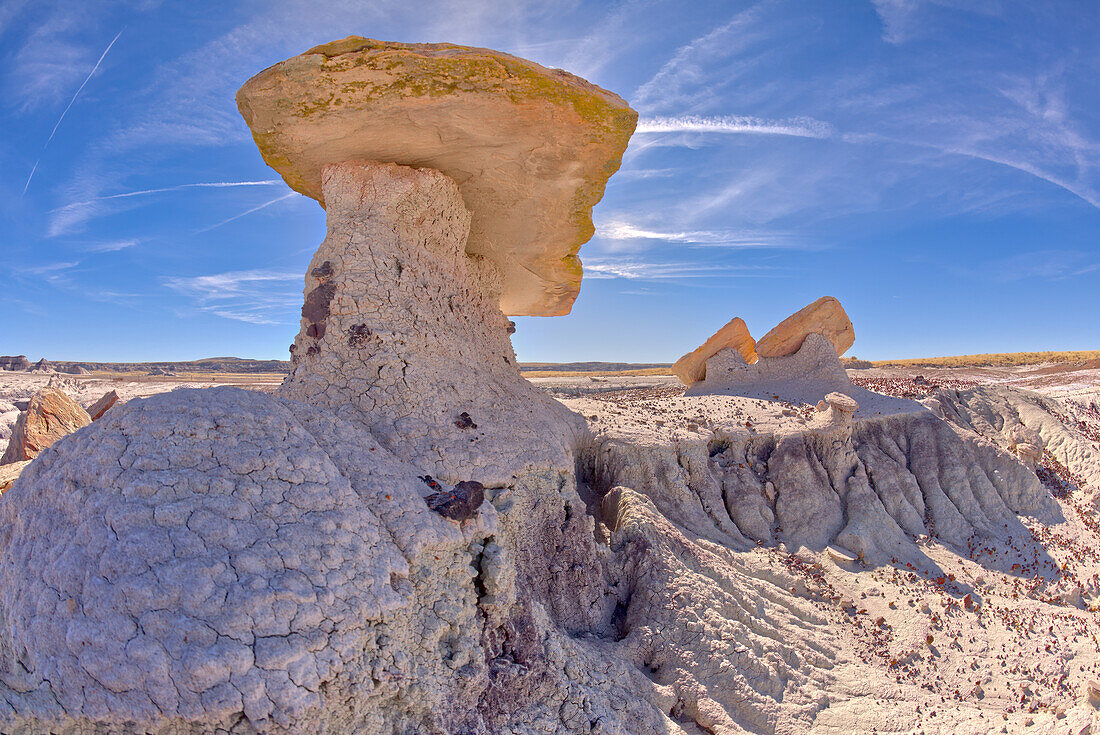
x: 686, y: 80
x: 66, y: 110
x: 257, y: 296
x: 112, y: 246
x: 619, y: 32
x: 600, y: 268
x: 39, y: 270
x: 897, y: 18
x: 621, y: 230
x: 9, y: 11
x: 903, y: 20
x: 803, y: 127
x: 1083, y: 191
x: 1047, y: 265
x: 51, y: 60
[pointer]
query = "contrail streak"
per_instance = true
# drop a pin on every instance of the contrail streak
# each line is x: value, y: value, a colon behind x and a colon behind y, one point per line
x: 247, y: 212
x: 81, y: 87
x: 177, y: 187
x: 66, y: 110
x: 33, y: 169
x: 214, y: 184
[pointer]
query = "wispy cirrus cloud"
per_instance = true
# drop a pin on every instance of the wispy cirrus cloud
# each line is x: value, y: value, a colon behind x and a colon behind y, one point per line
x: 622, y: 230
x: 802, y: 127
x: 1046, y: 265
x: 112, y: 246
x: 687, y: 81
x: 47, y: 268
x: 647, y: 270
x: 903, y: 20
x: 57, y: 273
x: 1078, y: 188
x: 53, y: 56
x: 1037, y: 135
x: 259, y: 296
x: 179, y: 187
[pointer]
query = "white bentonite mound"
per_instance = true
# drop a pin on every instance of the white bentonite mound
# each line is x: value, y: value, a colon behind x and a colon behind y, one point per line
x: 202, y: 555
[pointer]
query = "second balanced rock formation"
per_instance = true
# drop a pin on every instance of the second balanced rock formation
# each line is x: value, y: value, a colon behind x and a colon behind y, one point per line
x: 459, y: 184
x: 797, y: 360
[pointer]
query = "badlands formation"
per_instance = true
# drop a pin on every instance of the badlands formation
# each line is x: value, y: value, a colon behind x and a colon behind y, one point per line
x: 408, y: 537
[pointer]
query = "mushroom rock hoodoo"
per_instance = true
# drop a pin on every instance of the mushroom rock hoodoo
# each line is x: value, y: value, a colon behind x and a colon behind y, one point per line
x: 230, y: 561
x: 394, y: 542
x: 458, y: 184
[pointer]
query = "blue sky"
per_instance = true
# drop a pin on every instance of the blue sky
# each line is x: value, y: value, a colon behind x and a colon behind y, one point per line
x: 934, y: 164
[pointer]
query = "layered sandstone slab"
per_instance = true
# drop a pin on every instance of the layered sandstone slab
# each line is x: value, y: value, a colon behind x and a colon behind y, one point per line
x: 825, y: 316
x: 49, y: 416
x: 102, y: 404
x: 9, y: 473
x: 692, y: 367
x: 530, y: 148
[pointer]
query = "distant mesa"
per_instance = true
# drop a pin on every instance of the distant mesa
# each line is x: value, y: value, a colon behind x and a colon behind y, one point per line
x: 14, y: 362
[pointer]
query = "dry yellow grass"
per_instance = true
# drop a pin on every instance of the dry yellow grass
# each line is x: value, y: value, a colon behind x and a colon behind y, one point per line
x: 1002, y: 359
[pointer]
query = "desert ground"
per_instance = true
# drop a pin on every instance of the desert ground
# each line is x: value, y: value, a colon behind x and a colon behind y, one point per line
x: 999, y: 634
x: 1075, y: 382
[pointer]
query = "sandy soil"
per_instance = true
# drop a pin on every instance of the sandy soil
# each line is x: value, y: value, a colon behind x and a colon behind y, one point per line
x: 1078, y: 385
x: 1001, y: 639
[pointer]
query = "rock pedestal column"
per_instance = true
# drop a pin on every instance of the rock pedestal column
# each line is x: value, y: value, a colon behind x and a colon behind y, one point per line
x: 401, y: 331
